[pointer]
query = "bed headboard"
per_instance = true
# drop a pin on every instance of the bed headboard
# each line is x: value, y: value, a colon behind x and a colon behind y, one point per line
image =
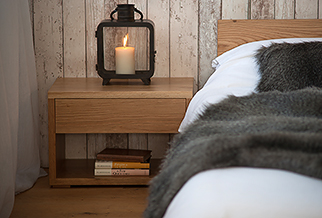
x: 232, y: 33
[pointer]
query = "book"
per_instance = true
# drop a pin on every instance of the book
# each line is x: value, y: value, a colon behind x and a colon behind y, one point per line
x: 121, y: 172
x: 99, y: 164
x: 128, y: 155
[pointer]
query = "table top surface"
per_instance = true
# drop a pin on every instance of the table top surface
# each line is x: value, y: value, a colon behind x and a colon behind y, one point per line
x: 178, y: 87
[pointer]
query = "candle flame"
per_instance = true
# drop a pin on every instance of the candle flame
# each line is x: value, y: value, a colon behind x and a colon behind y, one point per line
x: 125, y: 40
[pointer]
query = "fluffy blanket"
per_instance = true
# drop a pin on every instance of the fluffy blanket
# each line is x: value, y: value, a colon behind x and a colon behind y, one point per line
x: 273, y: 129
x: 287, y: 67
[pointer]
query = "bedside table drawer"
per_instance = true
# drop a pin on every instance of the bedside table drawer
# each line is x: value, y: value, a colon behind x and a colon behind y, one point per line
x: 119, y: 115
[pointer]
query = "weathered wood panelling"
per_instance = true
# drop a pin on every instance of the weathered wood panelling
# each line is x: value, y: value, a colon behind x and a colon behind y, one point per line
x: 320, y: 9
x: 208, y: 16
x: 284, y: 9
x: 94, y: 14
x: 185, y: 40
x: 48, y: 35
x: 306, y: 9
x: 74, y: 38
x: 235, y: 9
x: 74, y: 57
x: 262, y: 9
x: 158, y: 12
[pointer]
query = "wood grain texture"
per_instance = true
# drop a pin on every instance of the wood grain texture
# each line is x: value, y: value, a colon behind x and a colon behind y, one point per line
x: 92, y: 88
x: 52, y: 138
x: 102, y: 181
x: 119, y: 115
x: 80, y: 202
x: 48, y: 37
x: 254, y: 30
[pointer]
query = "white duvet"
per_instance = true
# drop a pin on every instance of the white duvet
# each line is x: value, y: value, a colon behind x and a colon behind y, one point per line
x: 236, y: 74
x: 242, y: 192
x: 248, y: 193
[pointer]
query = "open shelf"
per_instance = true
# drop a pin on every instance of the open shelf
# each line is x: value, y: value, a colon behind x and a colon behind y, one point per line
x: 84, y: 168
x: 81, y: 172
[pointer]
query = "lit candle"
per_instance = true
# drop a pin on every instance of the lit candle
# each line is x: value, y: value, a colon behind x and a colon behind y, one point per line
x: 124, y: 58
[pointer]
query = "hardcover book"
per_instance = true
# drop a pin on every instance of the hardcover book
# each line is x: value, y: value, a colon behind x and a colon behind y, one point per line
x: 121, y: 172
x: 119, y: 164
x: 128, y: 155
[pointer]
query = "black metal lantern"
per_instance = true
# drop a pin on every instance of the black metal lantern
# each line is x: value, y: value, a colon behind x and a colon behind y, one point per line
x: 118, y: 60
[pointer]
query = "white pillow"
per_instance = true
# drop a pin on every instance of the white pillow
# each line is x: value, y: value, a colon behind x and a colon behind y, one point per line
x: 236, y: 73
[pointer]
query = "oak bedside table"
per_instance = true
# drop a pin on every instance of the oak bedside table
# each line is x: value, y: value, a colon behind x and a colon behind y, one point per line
x: 83, y: 105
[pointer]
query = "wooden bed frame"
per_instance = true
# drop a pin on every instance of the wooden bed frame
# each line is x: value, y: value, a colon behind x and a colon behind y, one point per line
x: 232, y: 33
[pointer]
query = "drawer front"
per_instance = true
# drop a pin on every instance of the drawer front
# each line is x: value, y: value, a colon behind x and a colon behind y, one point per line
x: 119, y: 115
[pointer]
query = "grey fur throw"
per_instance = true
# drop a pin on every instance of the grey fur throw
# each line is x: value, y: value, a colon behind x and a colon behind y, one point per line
x: 272, y: 129
x: 287, y: 66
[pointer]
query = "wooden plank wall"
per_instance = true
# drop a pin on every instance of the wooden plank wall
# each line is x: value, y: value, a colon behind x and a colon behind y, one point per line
x: 186, y: 32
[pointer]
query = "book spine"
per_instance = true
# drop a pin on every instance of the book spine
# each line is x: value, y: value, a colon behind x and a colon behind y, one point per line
x: 103, y: 164
x: 116, y: 164
x: 121, y: 172
x: 119, y: 158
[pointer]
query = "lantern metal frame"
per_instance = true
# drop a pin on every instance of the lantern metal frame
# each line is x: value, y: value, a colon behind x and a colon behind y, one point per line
x: 107, y: 75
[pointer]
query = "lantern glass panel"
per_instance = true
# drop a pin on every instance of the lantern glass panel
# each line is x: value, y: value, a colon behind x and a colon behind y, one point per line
x: 138, y: 38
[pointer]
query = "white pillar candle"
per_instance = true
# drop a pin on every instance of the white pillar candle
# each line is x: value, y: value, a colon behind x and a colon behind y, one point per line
x: 124, y: 59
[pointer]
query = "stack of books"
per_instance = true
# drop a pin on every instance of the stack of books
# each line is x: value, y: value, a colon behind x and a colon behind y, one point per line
x: 122, y: 162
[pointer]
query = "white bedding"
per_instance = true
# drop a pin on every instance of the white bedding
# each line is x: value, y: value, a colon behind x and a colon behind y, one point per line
x: 248, y: 193
x: 242, y: 192
x: 236, y: 74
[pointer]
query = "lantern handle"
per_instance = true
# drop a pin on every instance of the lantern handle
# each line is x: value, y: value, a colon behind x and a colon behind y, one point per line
x: 138, y: 11
x: 135, y: 9
x: 113, y: 12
